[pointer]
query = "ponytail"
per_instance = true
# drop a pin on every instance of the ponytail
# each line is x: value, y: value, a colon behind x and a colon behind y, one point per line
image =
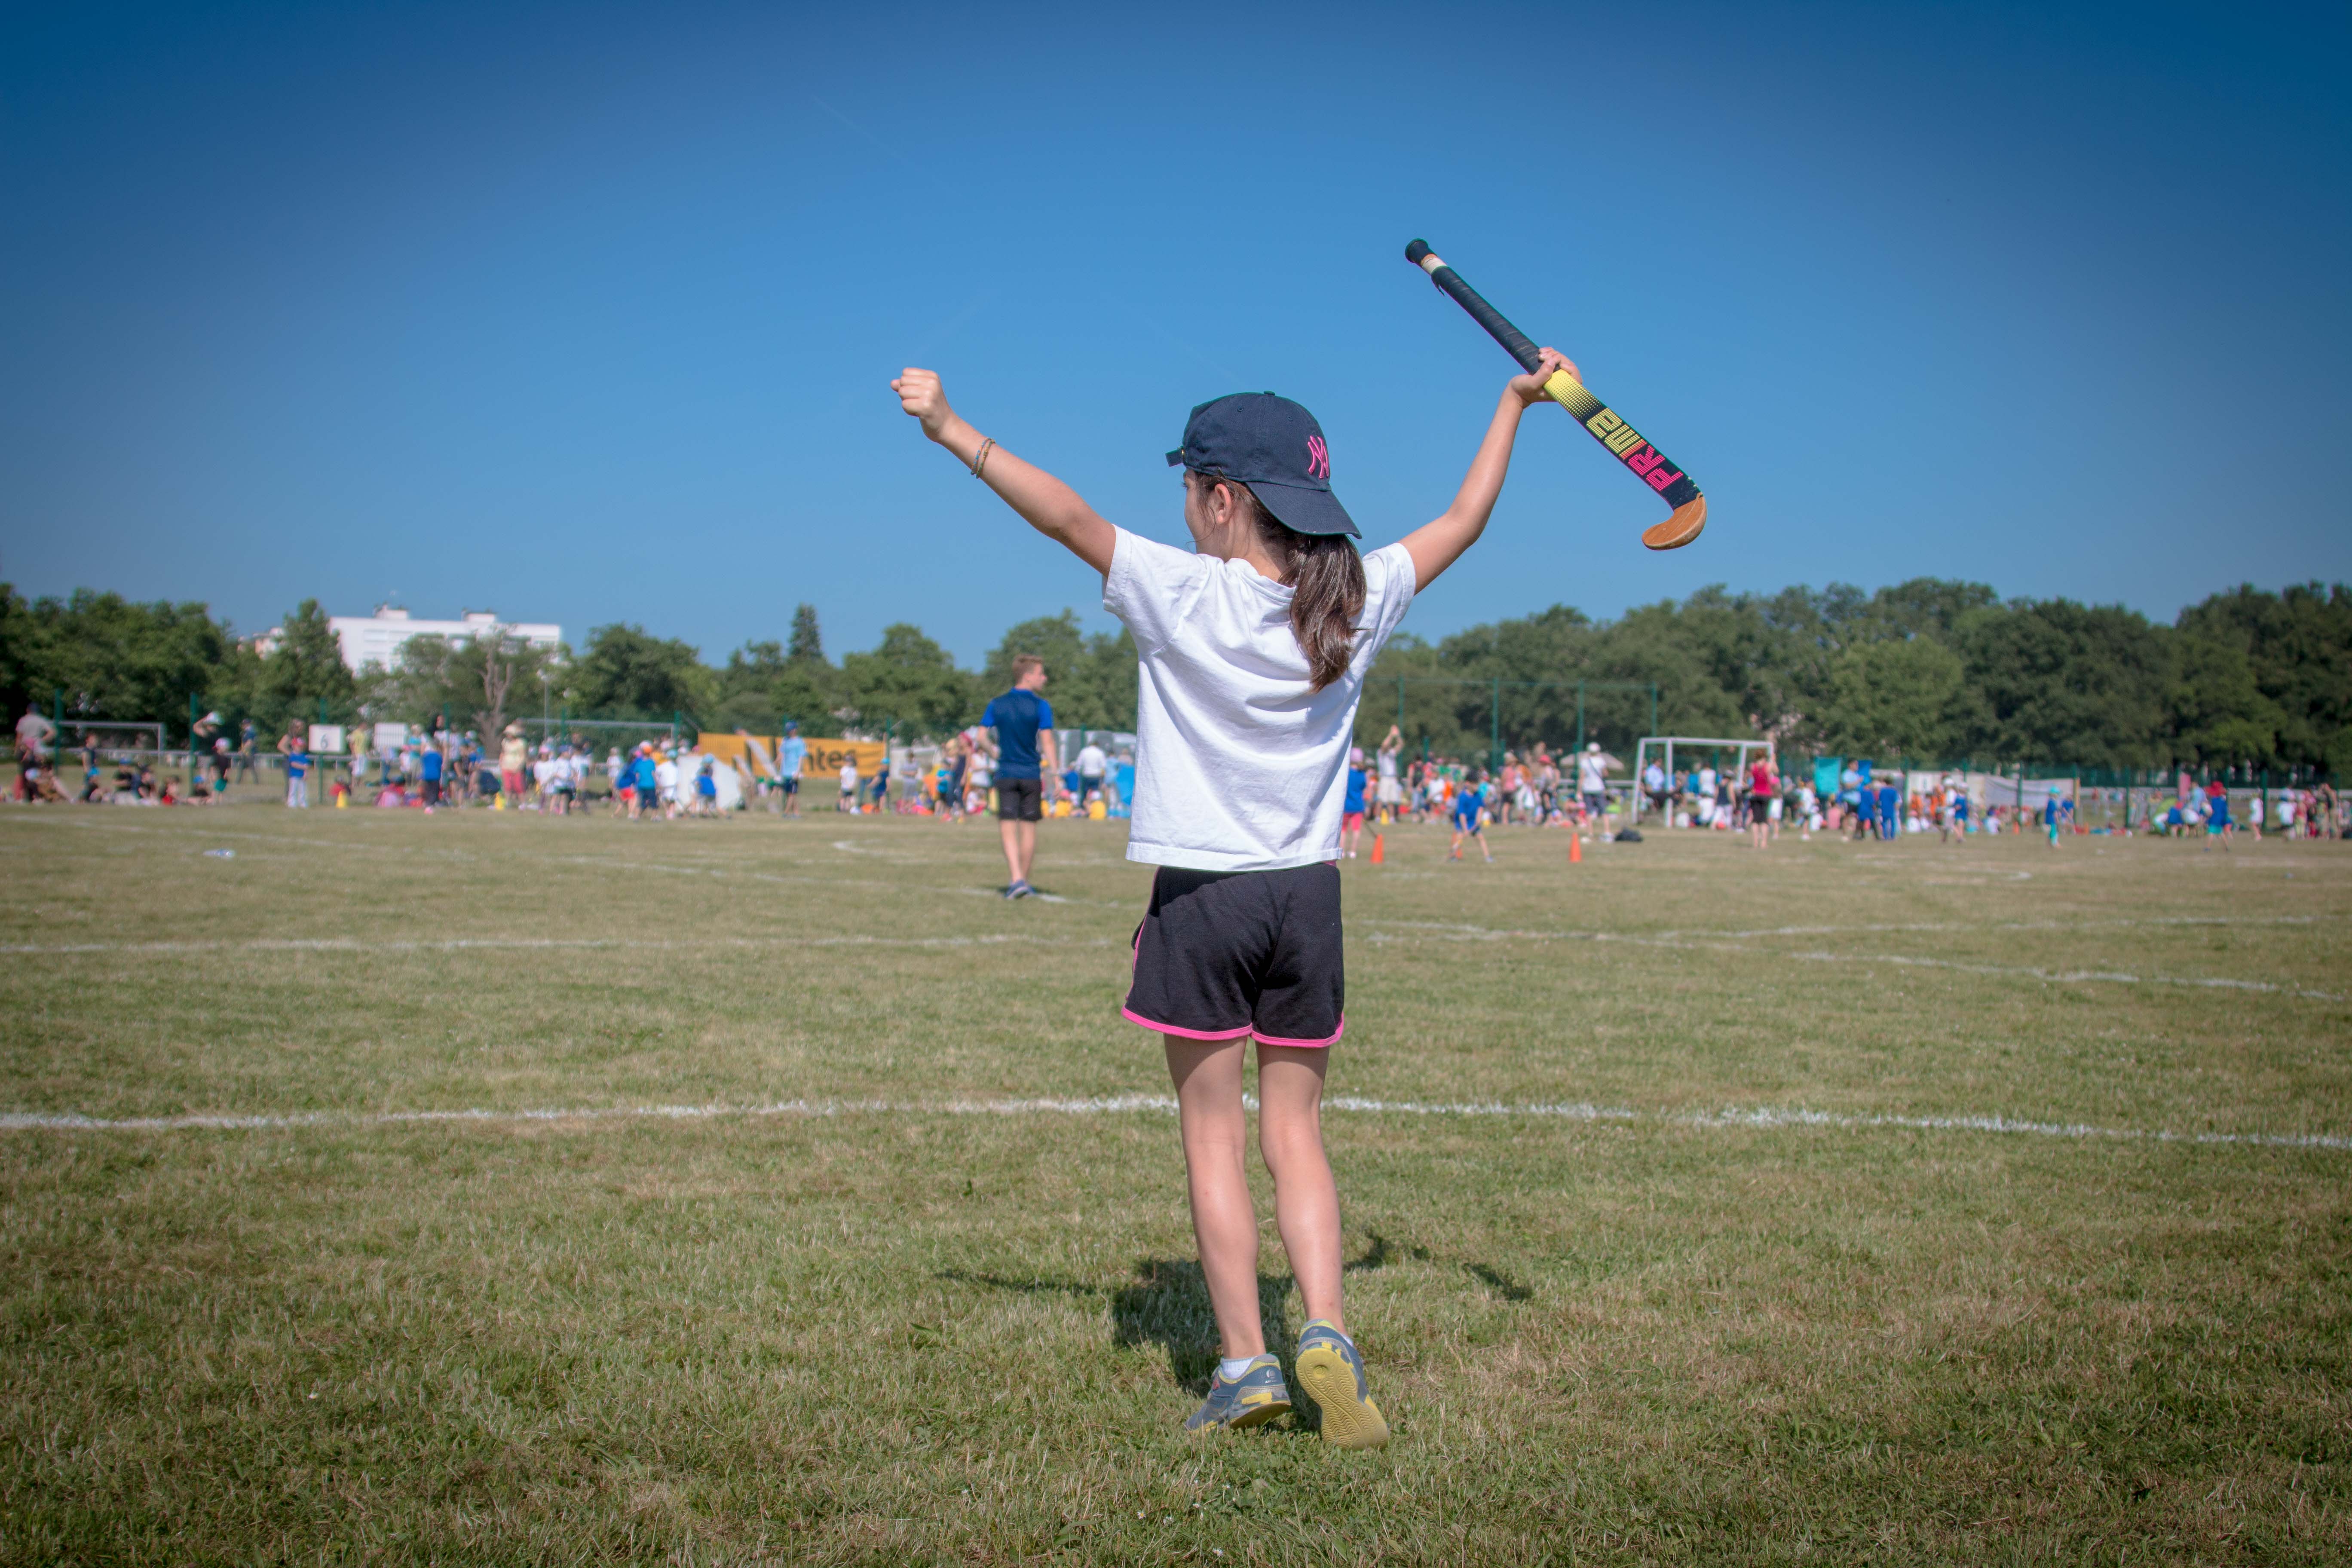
x: 1326, y: 577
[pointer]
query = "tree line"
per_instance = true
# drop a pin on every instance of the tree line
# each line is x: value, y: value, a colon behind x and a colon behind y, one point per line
x: 1929, y: 670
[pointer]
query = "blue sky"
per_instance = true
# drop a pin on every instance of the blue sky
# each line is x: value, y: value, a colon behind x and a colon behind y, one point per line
x: 587, y: 314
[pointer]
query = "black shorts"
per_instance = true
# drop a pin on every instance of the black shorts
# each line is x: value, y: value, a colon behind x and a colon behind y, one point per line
x: 791, y: 783
x: 1020, y: 800
x: 1221, y: 954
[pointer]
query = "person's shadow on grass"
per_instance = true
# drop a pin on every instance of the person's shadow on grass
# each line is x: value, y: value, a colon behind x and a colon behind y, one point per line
x: 1167, y: 1304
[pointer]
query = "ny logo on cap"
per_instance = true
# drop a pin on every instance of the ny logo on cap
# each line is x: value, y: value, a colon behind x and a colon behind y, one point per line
x: 1319, y: 458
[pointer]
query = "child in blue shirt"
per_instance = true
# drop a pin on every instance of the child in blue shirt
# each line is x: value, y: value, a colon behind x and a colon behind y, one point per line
x: 1470, y: 817
x: 1352, y: 818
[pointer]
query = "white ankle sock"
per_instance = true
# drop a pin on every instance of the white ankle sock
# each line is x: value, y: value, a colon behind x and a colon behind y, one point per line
x: 1231, y: 1368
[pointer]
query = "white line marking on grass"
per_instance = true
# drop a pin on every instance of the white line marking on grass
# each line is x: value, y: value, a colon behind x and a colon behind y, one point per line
x: 1765, y: 1116
x: 463, y: 944
x: 621, y: 863
x: 2013, y: 925
x: 2067, y: 977
x: 1041, y: 898
x: 1579, y: 1111
x: 2051, y: 976
x: 1762, y: 1118
x: 197, y: 832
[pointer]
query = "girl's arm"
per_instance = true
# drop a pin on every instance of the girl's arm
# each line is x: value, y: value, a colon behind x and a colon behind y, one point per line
x: 1436, y: 545
x: 1052, y: 508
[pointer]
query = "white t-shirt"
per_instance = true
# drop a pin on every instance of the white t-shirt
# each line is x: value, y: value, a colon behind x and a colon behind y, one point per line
x: 1592, y: 773
x: 1388, y: 763
x: 1091, y: 760
x: 1241, y: 767
x: 1705, y: 782
x: 849, y: 778
x: 665, y: 778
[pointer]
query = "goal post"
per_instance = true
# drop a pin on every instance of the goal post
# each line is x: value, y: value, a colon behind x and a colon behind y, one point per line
x: 1663, y: 746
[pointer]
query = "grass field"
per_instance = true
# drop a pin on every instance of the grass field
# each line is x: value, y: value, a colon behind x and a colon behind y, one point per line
x: 483, y: 1187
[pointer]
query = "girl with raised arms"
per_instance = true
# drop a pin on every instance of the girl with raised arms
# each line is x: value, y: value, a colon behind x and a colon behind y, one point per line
x: 1254, y: 646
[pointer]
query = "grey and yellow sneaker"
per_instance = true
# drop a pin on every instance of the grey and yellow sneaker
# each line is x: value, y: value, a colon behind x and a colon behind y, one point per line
x: 1259, y: 1395
x: 1333, y: 1375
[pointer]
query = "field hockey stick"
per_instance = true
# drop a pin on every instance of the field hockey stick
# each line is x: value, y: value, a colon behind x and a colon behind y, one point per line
x: 1627, y: 445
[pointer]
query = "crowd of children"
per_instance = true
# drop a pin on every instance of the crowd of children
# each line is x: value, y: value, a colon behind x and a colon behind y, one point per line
x: 444, y: 768
x: 1533, y: 791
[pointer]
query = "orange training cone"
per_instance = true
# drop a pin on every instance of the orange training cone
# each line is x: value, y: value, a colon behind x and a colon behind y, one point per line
x: 1575, y: 847
x: 1380, y: 850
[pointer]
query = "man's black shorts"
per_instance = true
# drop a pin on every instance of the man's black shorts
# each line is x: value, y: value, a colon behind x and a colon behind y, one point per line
x: 1225, y: 953
x: 1020, y: 800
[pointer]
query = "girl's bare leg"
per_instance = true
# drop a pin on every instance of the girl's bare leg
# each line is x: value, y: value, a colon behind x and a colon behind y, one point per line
x: 1208, y: 1078
x: 1306, y: 1199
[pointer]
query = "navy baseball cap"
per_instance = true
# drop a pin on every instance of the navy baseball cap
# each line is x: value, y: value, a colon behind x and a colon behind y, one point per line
x: 1274, y: 447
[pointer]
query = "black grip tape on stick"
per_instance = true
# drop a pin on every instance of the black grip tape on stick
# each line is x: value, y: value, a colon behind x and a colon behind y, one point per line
x: 1514, y: 340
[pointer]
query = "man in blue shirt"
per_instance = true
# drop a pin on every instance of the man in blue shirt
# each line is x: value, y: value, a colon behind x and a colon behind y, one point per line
x: 1024, y: 758
x: 432, y: 775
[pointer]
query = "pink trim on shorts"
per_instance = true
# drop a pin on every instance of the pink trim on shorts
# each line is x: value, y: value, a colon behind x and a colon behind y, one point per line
x: 1138, y: 1019
x: 1303, y: 1044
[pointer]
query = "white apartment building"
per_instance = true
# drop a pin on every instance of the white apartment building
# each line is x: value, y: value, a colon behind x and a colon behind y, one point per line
x: 376, y: 639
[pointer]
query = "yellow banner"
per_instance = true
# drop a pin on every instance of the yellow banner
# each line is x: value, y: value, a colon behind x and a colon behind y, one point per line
x: 756, y: 754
